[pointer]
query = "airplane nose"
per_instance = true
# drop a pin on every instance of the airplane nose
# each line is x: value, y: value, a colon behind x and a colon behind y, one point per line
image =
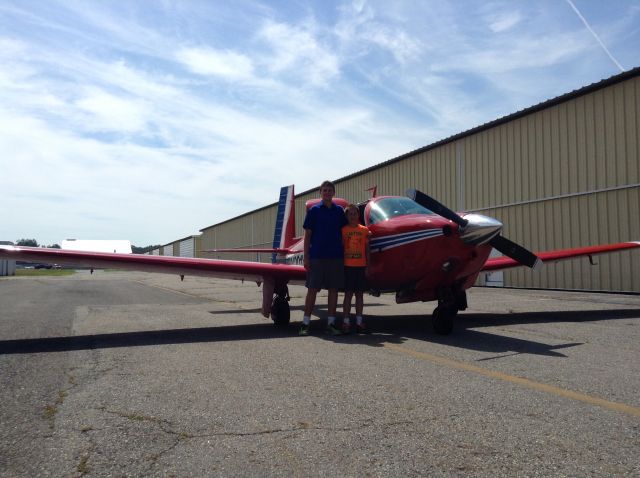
x: 480, y: 229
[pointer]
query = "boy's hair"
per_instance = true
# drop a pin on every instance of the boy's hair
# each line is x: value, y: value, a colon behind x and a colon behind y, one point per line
x: 351, y: 206
x: 328, y: 184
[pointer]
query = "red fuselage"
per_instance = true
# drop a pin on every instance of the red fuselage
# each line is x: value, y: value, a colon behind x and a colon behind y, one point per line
x: 418, y: 253
x: 413, y: 251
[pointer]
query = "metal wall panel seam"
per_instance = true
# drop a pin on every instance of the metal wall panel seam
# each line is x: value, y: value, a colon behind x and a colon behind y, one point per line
x: 560, y: 196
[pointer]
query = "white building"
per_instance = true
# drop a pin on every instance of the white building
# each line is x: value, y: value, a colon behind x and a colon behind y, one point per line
x: 99, y: 245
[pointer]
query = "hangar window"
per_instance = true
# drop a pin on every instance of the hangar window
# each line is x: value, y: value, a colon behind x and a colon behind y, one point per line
x: 386, y: 208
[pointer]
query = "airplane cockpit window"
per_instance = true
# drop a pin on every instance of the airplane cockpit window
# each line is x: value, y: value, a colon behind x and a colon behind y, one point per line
x: 387, y: 208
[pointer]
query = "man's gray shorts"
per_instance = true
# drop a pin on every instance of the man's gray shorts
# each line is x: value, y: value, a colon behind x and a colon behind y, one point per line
x: 325, y: 274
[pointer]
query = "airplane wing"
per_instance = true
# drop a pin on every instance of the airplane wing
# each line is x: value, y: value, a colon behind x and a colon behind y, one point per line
x: 239, y: 270
x: 264, y: 250
x: 500, y: 263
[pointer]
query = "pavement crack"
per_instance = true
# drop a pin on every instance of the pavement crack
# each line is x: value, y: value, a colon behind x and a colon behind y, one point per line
x: 300, y: 427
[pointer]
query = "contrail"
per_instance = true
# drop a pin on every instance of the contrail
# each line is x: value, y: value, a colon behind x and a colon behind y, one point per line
x: 594, y: 35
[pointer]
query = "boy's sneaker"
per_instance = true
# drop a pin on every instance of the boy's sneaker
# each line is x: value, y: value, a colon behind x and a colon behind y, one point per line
x: 361, y: 329
x: 304, y: 329
x: 333, y: 330
x: 346, y: 328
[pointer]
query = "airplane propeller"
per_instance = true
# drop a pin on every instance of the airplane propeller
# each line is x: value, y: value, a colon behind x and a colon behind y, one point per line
x: 499, y: 242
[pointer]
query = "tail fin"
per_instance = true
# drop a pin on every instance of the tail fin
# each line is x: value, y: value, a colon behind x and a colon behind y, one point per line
x: 285, y: 221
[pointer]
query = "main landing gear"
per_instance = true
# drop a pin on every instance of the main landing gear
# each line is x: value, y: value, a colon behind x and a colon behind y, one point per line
x: 450, y: 301
x: 280, y: 310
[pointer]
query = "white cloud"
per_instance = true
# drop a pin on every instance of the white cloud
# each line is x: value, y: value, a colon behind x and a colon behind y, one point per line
x: 400, y: 44
x: 207, y: 61
x: 504, y: 21
x: 108, y: 112
x: 524, y: 52
x: 297, y: 51
x: 361, y: 31
x: 204, y: 152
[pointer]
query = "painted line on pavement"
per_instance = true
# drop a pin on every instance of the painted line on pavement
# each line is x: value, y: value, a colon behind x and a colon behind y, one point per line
x: 541, y: 387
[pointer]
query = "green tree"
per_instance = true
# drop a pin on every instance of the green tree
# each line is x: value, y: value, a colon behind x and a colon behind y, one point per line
x: 27, y: 242
x: 143, y: 250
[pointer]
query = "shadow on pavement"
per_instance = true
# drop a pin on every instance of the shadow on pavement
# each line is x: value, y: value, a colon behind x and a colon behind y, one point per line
x: 383, y: 329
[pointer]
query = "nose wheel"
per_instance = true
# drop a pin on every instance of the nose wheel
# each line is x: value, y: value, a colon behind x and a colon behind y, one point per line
x: 443, y: 320
x: 450, y: 301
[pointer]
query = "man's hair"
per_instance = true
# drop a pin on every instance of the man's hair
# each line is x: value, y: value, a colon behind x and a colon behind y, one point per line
x: 328, y: 184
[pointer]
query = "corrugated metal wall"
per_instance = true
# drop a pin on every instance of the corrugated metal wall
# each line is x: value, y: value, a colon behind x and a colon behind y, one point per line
x: 187, y: 247
x: 249, y: 231
x: 167, y: 250
x: 567, y: 176
x: 564, y: 176
x: 7, y: 268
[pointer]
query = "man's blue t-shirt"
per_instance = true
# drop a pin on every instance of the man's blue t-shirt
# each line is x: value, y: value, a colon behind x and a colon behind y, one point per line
x: 325, y: 224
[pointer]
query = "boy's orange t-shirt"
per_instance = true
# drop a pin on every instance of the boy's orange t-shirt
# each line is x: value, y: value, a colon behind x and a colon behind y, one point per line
x: 354, y: 241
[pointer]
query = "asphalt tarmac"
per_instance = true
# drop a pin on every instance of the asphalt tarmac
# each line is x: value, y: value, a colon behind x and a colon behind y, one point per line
x: 129, y: 374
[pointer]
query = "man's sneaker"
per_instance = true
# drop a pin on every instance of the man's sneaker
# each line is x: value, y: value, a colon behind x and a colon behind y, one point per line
x: 361, y: 329
x: 333, y: 330
x: 346, y: 328
x: 304, y: 329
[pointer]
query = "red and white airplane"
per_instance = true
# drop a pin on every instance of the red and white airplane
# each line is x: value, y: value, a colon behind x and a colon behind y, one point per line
x: 420, y: 250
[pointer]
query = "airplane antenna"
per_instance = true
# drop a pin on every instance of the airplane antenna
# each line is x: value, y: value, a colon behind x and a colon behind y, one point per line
x: 373, y: 190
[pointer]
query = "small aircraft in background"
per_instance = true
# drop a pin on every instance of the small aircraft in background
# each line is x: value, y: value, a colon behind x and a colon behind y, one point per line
x: 420, y: 250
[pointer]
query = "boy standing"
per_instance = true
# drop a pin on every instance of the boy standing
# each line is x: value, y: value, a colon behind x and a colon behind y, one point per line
x: 355, y: 239
x: 323, y: 255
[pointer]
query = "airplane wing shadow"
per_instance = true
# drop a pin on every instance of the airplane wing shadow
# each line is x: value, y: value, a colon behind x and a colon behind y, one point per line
x: 256, y: 310
x: 491, y: 319
x: 468, y: 337
x: 143, y: 338
x: 384, y: 329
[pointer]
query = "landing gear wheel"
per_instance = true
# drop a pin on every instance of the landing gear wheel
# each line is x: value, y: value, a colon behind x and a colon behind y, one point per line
x: 443, y: 320
x: 280, y: 311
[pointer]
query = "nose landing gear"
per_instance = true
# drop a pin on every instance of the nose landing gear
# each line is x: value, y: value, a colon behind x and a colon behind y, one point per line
x: 450, y: 301
x: 443, y: 320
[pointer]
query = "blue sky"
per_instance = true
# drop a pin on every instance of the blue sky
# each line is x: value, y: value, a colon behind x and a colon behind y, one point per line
x: 150, y: 120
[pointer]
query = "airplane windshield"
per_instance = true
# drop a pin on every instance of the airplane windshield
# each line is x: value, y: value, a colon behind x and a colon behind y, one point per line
x: 387, y: 208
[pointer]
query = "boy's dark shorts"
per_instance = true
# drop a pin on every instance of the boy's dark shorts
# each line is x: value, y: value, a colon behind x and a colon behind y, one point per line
x: 355, y: 279
x: 325, y: 274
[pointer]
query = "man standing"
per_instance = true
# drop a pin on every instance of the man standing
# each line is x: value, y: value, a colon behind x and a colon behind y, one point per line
x: 323, y: 255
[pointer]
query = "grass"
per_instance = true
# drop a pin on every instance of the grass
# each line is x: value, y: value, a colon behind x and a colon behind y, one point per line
x: 44, y: 272
x: 50, y: 411
x: 83, y: 467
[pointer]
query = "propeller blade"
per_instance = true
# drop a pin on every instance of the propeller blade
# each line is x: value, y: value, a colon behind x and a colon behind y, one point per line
x: 516, y: 252
x: 435, y: 206
x: 501, y: 243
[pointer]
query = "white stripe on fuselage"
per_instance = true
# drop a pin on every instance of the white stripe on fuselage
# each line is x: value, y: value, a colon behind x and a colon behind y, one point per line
x: 396, y: 240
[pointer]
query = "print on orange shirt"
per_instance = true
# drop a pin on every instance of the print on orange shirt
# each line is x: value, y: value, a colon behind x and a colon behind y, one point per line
x: 354, y: 241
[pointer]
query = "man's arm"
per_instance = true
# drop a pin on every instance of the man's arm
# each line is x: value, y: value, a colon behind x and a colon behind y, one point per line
x: 307, y: 244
